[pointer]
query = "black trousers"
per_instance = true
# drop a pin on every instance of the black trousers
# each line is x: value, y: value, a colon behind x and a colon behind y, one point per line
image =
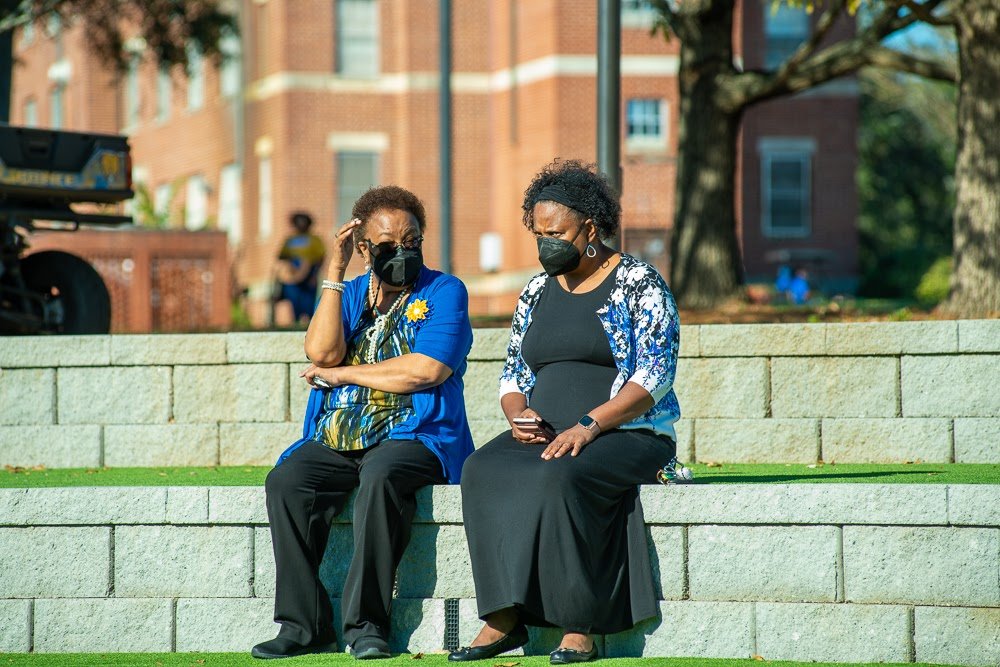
x: 304, y: 494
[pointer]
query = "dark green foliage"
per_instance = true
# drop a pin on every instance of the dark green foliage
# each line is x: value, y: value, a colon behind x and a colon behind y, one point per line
x: 906, y: 183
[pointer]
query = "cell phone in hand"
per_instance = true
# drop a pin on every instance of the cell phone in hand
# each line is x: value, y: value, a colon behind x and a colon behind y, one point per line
x: 321, y: 383
x: 541, y: 427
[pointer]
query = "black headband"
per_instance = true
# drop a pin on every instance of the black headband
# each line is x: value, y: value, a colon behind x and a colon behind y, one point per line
x: 558, y: 193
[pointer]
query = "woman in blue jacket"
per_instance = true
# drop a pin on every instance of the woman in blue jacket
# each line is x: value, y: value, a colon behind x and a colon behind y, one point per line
x: 386, y: 416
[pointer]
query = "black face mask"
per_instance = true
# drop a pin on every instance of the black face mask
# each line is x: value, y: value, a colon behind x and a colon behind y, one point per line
x: 557, y: 256
x: 400, y: 268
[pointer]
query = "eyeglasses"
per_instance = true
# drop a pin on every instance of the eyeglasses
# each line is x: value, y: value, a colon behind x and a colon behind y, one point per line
x: 377, y: 249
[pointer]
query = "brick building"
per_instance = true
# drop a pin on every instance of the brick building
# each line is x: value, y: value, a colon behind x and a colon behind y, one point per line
x: 320, y: 99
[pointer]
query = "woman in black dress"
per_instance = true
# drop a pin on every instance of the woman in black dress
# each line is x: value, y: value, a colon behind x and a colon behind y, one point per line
x: 552, y: 514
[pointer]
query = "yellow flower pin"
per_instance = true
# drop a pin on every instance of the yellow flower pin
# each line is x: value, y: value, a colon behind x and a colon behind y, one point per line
x: 417, y: 310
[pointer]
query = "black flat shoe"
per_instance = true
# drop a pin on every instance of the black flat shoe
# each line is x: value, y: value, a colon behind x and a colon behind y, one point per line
x: 370, y: 648
x: 516, y: 638
x: 566, y: 656
x: 279, y: 647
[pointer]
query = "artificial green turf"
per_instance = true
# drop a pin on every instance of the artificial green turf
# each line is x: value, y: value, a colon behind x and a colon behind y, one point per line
x: 239, y: 659
x: 917, y: 473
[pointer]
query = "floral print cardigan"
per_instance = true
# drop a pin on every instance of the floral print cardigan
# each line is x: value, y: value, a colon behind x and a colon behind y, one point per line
x: 640, y: 320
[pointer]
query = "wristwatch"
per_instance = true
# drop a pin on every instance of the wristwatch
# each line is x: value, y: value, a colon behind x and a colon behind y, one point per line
x: 590, y: 424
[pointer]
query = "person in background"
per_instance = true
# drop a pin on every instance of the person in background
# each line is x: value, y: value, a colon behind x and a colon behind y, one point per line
x: 386, y: 416
x: 798, y: 288
x: 298, y: 267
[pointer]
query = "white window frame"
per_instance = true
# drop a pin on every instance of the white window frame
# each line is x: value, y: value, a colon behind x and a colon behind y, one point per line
x: 132, y: 92
x: 57, y: 107
x: 231, y: 67
x: 196, y: 79
x: 31, y: 112
x: 196, y: 203
x: 788, y: 149
x: 637, y: 14
x: 265, y: 199
x: 346, y: 30
x: 231, y: 202
x: 28, y: 34
x: 648, y: 143
x: 164, y: 94
x: 341, y: 203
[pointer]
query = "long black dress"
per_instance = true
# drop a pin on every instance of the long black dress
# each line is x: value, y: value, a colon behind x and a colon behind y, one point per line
x: 563, y: 541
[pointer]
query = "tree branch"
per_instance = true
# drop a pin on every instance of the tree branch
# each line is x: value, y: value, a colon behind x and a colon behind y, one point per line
x: 808, y: 47
x: 887, y: 58
x: 925, y: 12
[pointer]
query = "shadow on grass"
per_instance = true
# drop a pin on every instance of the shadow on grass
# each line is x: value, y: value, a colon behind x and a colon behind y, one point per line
x: 729, y: 479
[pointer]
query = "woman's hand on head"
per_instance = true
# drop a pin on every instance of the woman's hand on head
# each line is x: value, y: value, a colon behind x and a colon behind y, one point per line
x: 528, y: 436
x: 571, y: 441
x: 342, y: 250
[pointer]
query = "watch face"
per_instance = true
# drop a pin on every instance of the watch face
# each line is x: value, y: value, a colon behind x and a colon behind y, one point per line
x: 586, y: 421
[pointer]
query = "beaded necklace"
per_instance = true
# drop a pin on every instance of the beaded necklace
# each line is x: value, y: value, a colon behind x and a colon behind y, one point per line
x: 382, y: 320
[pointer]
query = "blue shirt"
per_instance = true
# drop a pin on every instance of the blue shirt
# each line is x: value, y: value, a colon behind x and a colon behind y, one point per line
x: 444, y: 334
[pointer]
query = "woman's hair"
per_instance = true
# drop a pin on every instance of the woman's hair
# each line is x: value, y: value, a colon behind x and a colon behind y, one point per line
x: 588, y: 188
x: 391, y: 197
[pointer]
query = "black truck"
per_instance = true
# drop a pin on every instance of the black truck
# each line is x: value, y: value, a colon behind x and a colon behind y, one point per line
x: 43, y: 173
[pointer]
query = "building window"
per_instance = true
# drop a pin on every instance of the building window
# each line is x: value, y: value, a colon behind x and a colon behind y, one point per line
x: 163, y: 197
x: 164, y: 90
x: 27, y: 34
x: 231, y: 202
x: 265, y: 214
x: 132, y: 92
x: 31, y: 112
x: 230, y: 71
x: 196, y: 79
x: 785, y: 28
x: 56, y: 107
x: 356, y: 173
x: 645, y: 125
x: 357, y: 39
x: 53, y: 26
x: 196, y: 203
x: 786, y: 186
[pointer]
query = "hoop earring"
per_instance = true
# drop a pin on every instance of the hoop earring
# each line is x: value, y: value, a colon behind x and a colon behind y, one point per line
x: 591, y: 251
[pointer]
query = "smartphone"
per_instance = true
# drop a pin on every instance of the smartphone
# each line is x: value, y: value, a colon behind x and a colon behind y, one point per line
x: 321, y: 383
x: 529, y: 424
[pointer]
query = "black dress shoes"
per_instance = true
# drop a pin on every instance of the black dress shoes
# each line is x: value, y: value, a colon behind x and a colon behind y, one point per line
x: 516, y: 638
x: 370, y: 648
x: 566, y: 656
x: 281, y: 647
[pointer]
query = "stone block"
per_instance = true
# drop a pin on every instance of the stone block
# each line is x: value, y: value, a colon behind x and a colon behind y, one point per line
x: 685, y: 430
x: 436, y: 564
x: 52, y: 446
x: 482, y: 398
x: 762, y: 340
x: 109, y: 625
x: 145, y: 445
x: 974, y: 505
x: 219, y: 625
x: 754, y: 503
x: 298, y: 393
x: 175, y: 561
x: 833, y: 632
x: 666, y: 555
x: 834, y: 387
x: 887, y: 440
x: 977, y: 440
x: 734, y: 388
x: 258, y: 347
x: 416, y: 626
x: 82, y: 505
x: 438, y: 504
x: 15, y: 626
x: 484, y: 430
x: 139, y: 395
x: 891, y: 338
x: 783, y: 564
x: 168, y: 349
x: 957, y: 635
x: 950, y: 386
x: 690, y: 341
x: 256, y: 444
x: 689, y: 629
x: 52, y: 351
x: 236, y: 504
x: 979, y: 336
x: 187, y: 504
x: 27, y: 396
x: 235, y: 393
x: 937, y: 566
x: 54, y: 562
x: 263, y: 563
x: 489, y: 344
x: 758, y: 440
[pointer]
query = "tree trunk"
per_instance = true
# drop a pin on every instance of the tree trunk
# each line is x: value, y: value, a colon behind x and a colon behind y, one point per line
x: 705, y: 267
x: 975, y: 282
